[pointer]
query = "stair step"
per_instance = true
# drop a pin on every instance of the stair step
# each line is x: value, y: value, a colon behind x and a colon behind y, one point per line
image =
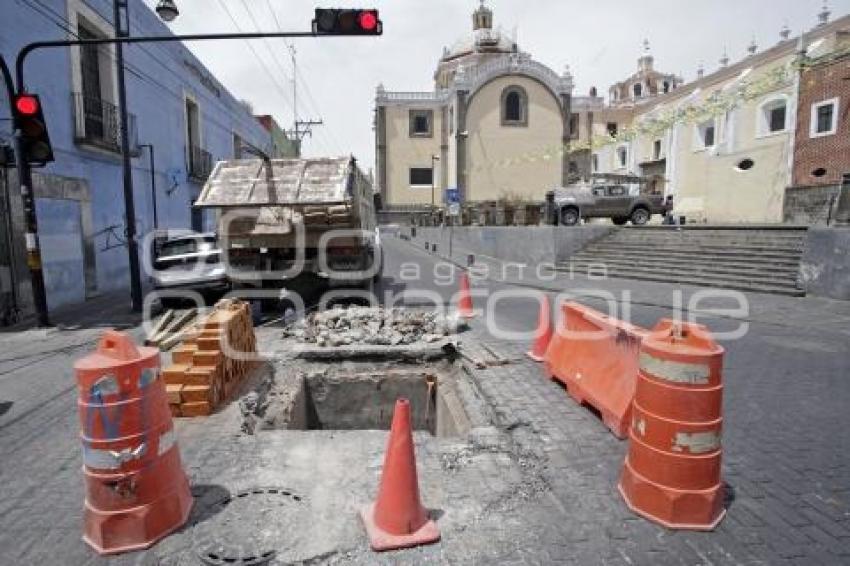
x: 700, y: 282
x: 664, y: 274
x: 700, y: 245
x: 694, y: 264
x: 604, y: 247
x: 662, y: 254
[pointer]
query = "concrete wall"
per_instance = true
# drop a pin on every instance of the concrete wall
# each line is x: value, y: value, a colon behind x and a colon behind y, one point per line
x: 529, y: 245
x: 159, y: 79
x: 815, y: 205
x: 825, y: 268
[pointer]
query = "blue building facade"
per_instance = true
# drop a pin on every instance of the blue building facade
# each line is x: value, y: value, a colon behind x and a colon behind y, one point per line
x: 178, y: 109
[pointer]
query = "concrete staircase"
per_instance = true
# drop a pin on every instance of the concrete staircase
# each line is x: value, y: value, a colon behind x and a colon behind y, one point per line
x: 760, y: 259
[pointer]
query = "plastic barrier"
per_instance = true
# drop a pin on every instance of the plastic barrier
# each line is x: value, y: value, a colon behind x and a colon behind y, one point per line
x: 596, y: 357
x: 544, y: 331
x: 136, y: 490
x: 672, y: 471
x: 397, y: 519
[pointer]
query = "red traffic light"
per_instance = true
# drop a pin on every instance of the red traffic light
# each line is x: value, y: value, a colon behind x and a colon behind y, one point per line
x: 336, y: 21
x: 27, y: 105
x: 368, y: 20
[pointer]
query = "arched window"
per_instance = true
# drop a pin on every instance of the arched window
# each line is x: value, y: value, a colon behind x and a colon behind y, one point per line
x: 638, y: 90
x: 514, y: 106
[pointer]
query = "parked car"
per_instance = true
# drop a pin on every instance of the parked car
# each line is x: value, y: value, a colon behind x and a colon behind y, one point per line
x: 620, y: 203
x: 190, y: 262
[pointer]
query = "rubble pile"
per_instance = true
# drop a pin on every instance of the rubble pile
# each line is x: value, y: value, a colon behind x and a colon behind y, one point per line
x: 372, y: 325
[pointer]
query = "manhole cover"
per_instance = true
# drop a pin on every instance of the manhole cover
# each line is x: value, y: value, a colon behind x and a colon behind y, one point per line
x: 249, y: 528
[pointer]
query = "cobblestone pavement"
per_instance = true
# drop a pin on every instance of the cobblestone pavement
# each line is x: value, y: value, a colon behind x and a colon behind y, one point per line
x: 541, y: 490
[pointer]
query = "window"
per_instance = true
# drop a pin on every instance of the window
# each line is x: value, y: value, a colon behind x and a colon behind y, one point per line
x: 612, y: 129
x: 594, y: 162
x: 666, y: 87
x: 514, y: 106
x: 638, y: 90
x: 193, y: 127
x: 773, y: 117
x: 237, y: 146
x: 622, y: 155
x: 706, y: 135
x: 617, y: 191
x: 421, y: 176
x: 574, y: 126
x: 656, y: 150
x: 451, y: 119
x: 420, y: 123
x: 824, y: 118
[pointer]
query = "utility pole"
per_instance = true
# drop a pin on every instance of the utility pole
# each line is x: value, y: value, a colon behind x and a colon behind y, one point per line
x: 301, y: 128
x: 121, y: 9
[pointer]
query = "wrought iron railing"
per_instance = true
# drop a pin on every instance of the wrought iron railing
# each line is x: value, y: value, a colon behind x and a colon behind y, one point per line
x: 200, y: 163
x: 98, y: 123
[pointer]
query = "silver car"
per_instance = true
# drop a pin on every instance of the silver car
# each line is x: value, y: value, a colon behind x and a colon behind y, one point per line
x: 190, y: 262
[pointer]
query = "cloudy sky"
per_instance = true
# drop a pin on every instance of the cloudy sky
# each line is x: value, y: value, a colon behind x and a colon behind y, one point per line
x: 337, y: 76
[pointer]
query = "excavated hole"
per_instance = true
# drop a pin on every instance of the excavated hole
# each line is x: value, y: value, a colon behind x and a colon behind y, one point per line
x: 364, y: 399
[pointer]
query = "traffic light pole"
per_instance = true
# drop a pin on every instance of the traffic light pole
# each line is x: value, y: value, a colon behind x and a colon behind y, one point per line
x: 39, y: 294
x: 129, y: 201
x: 24, y: 170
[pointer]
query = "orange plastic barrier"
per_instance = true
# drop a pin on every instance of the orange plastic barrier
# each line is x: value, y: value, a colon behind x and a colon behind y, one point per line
x: 596, y: 357
x: 136, y: 491
x: 464, y: 302
x: 672, y: 471
x: 544, y: 331
x: 397, y: 519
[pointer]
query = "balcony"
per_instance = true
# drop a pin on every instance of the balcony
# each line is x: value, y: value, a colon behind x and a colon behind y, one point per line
x: 97, y: 124
x: 200, y: 164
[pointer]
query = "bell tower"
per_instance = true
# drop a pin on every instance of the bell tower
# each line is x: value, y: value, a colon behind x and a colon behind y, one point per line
x: 482, y: 18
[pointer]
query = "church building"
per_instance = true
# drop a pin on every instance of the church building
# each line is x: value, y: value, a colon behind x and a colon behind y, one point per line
x: 496, y: 126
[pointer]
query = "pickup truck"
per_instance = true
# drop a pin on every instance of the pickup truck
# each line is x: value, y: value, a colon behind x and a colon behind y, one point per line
x: 620, y: 203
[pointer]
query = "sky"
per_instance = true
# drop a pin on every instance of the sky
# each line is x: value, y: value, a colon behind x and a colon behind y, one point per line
x: 337, y: 77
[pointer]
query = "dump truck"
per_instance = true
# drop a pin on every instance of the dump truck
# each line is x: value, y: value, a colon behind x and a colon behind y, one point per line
x: 281, y: 222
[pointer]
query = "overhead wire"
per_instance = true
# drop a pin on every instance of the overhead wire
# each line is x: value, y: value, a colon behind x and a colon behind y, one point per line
x: 65, y: 25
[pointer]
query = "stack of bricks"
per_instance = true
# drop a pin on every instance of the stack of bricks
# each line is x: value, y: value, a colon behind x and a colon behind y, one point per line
x: 207, y: 367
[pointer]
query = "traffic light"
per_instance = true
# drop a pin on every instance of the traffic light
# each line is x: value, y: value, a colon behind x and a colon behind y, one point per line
x: 29, y: 119
x: 336, y: 21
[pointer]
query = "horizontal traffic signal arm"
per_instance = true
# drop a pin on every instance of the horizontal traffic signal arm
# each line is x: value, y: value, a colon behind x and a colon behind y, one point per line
x: 364, y: 21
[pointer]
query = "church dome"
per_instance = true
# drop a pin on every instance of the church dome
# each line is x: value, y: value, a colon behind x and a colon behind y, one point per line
x: 472, y: 49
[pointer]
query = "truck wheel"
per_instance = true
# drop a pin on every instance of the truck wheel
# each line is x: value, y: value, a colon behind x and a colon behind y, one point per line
x: 619, y: 221
x: 569, y: 216
x: 640, y: 216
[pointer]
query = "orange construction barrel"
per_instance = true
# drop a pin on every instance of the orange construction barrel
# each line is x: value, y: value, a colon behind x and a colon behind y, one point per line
x: 672, y: 471
x: 136, y: 490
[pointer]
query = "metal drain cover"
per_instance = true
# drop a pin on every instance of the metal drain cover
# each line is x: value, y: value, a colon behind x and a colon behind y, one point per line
x: 247, y: 528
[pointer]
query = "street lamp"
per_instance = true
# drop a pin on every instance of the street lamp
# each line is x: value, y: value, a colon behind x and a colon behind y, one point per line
x: 167, y: 10
x: 434, y: 159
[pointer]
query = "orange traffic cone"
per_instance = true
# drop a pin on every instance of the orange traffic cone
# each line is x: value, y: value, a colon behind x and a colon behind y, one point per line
x: 464, y: 302
x: 136, y: 490
x: 544, y: 331
x: 397, y: 519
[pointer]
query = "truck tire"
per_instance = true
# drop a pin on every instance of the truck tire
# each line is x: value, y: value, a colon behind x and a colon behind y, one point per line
x: 569, y: 216
x: 640, y: 216
x: 619, y: 220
